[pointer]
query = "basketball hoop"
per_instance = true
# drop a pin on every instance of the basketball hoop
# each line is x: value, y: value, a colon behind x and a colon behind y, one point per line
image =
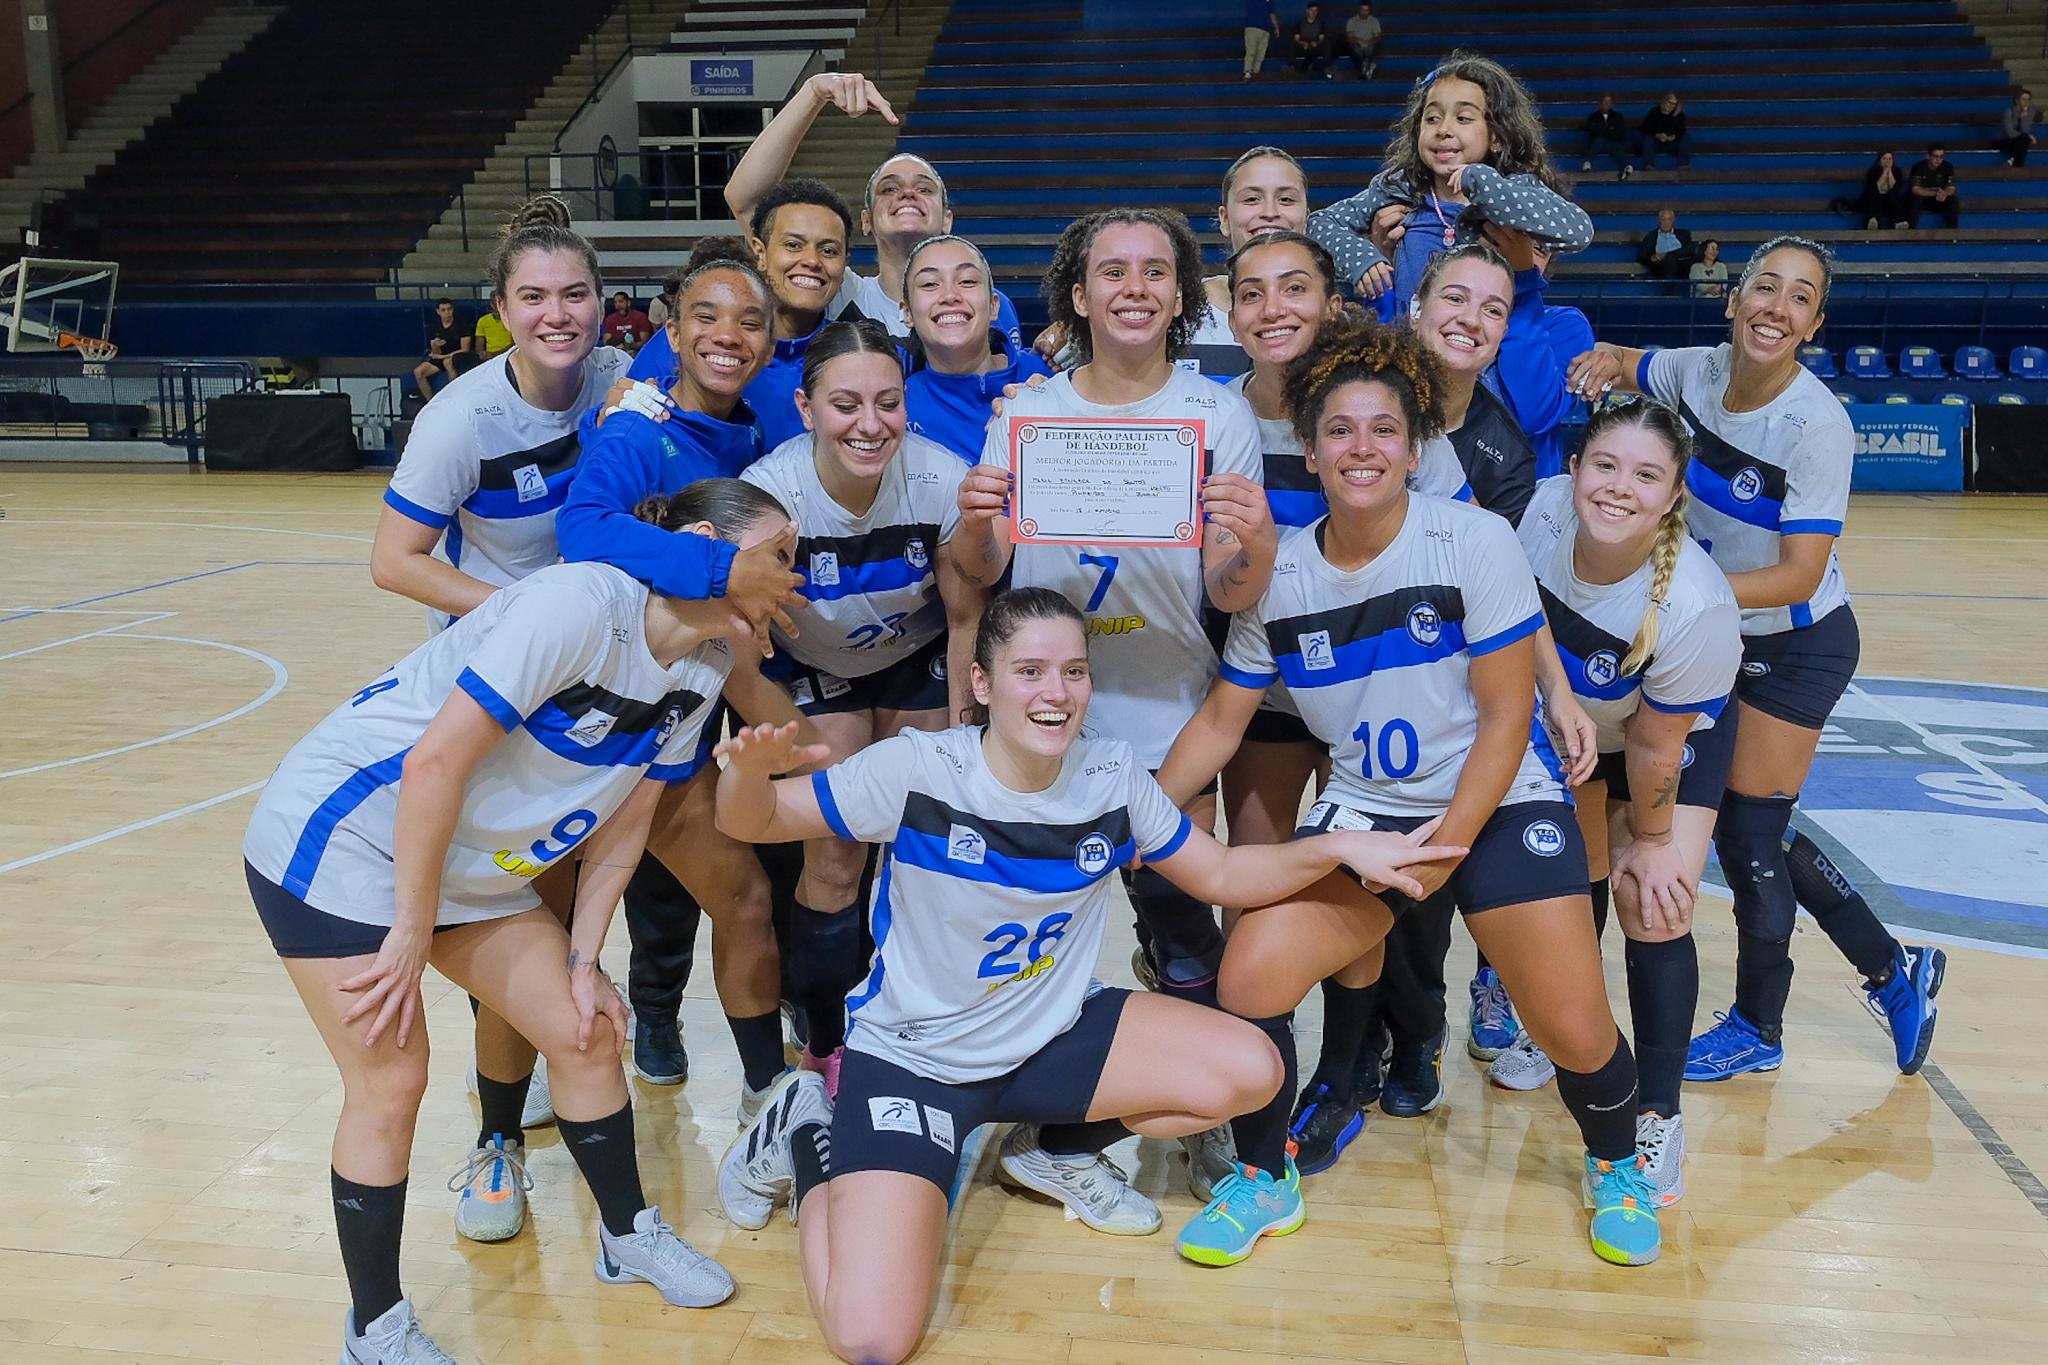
x: 95, y: 350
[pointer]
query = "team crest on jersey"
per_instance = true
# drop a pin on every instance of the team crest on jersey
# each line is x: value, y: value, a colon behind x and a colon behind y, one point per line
x: 669, y: 722
x: 938, y: 667
x: 1425, y: 624
x: 1685, y: 759
x: 1094, y: 854
x: 1756, y: 668
x: 825, y: 568
x: 527, y: 479
x: 1602, y: 668
x: 1746, y: 485
x: 591, y: 730
x: 914, y: 552
x: 1316, y: 651
x: 964, y: 845
x: 1544, y: 839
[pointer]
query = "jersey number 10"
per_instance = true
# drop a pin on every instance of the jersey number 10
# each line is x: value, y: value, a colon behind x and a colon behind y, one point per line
x: 1395, y: 735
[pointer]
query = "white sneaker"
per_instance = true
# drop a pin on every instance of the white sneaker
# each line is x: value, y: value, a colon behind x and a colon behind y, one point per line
x: 1662, y: 1143
x: 1212, y: 1154
x: 1093, y: 1187
x: 1524, y: 1066
x: 756, y: 1172
x: 753, y: 1101
x: 1142, y: 969
x: 396, y: 1338
x: 654, y: 1254
x: 492, y: 1186
x: 540, y: 1105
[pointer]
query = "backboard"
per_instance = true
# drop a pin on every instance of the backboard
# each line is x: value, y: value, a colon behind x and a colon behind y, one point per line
x: 44, y: 302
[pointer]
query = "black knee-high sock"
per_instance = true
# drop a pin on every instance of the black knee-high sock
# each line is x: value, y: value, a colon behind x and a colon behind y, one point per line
x: 1749, y: 840
x: 1346, y: 1010
x: 1262, y: 1134
x: 1180, y: 934
x: 1601, y: 891
x: 369, y: 1219
x: 1081, y: 1139
x: 1603, y: 1103
x: 502, y: 1103
x: 1843, y: 915
x: 826, y: 948
x: 604, y: 1152
x: 759, y: 1040
x: 1663, y: 995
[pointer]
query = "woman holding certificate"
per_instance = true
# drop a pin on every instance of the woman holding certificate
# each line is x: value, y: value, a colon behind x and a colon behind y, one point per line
x: 1132, y: 487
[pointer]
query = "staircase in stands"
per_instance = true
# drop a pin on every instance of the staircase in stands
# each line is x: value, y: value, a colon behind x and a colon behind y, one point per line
x: 2018, y: 32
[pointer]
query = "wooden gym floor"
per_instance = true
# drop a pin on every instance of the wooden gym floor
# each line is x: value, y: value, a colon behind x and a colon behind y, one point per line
x: 165, y: 1108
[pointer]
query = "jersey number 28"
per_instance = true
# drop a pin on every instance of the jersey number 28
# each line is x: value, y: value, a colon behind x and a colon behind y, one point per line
x: 1008, y: 937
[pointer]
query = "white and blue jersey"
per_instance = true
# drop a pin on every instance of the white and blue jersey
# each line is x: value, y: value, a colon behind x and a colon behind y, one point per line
x: 1379, y: 660
x: 560, y: 660
x: 1699, y: 628
x: 862, y: 294
x: 989, y: 909
x: 953, y: 409
x: 871, y: 579
x: 1213, y: 350
x: 1782, y: 470
x: 489, y: 469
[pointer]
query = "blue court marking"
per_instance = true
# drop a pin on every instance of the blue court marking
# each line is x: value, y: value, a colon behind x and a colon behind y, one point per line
x: 172, y: 582
x: 1957, y: 596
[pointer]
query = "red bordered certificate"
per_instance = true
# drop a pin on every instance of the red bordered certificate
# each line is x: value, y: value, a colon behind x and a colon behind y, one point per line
x: 1107, y: 481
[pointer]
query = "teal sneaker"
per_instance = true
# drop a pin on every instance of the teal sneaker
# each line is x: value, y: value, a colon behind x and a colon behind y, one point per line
x: 1624, y: 1206
x: 1249, y: 1204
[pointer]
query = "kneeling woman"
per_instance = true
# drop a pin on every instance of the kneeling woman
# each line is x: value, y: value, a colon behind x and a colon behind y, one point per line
x: 429, y: 817
x: 1404, y: 627
x: 981, y: 1006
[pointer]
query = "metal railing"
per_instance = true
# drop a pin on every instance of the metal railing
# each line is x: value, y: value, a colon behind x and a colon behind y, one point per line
x: 608, y: 186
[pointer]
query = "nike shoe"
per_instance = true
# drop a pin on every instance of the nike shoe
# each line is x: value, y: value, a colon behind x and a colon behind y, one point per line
x: 653, y: 1254
x: 396, y: 1338
x: 1524, y: 1066
x: 1662, y: 1143
x: 1323, y: 1126
x: 490, y: 1201
x: 1093, y: 1187
x: 1624, y: 1228
x: 1731, y: 1047
x: 1249, y: 1204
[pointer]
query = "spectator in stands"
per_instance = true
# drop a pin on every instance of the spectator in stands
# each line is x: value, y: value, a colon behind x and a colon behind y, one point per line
x: 1261, y: 27
x: 1932, y: 186
x: 492, y: 337
x: 626, y: 327
x: 1362, y: 37
x: 1709, y: 273
x: 1664, y: 133
x: 444, y: 342
x: 664, y: 305
x: 1313, y: 44
x: 2016, y: 129
x: 1884, y: 200
x: 1607, y: 135
x: 1666, y: 251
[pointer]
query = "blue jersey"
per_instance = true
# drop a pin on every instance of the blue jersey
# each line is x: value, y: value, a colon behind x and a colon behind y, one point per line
x: 953, y: 409
x: 772, y: 393
x: 656, y: 361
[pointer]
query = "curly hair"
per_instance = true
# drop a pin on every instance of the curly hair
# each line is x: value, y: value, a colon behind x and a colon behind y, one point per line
x: 1669, y: 428
x: 1512, y: 121
x: 800, y: 190
x: 1366, y: 353
x: 1070, y: 267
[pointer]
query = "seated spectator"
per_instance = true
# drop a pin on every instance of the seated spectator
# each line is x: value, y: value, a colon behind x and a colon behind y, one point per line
x: 1884, y: 199
x: 1666, y: 251
x: 1313, y: 44
x: 1709, y: 273
x: 1664, y: 133
x: 1932, y: 183
x: 1362, y: 35
x: 1607, y: 135
x: 2016, y: 129
x: 492, y: 338
x: 445, y: 342
x: 664, y: 305
x: 626, y: 327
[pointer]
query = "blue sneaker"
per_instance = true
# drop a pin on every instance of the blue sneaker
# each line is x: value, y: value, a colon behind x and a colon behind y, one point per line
x: 1324, y: 1125
x: 1624, y: 1228
x: 1906, y: 1002
x: 1494, y: 1026
x: 1730, y: 1048
x: 1248, y: 1205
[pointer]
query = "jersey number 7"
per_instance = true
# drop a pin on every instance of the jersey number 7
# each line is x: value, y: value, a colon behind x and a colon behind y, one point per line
x: 1106, y: 563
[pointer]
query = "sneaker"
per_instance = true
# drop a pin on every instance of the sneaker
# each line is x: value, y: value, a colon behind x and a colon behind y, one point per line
x: 1142, y: 968
x: 1248, y: 1205
x: 756, y: 1174
x: 491, y: 1202
x: 1415, y: 1080
x: 1624, y: 1228
x: 1906, y: 1002
x: 1494, y: 1026
x: 540, y: 1105
x: 825, y: 1067
x: 1211, y: 1155
x: 393, y: 1339
x: 652, y: 1253
x: 1731, y: 1047
x: 752, y: 1102
x: 1094, y: 1188
x: 1322, y: 1127
x: 658, y: 1055
x: 1524, y: 1066
x: 795, y: 1025
x: 1662, y: 1143
x: 1368, y: 1078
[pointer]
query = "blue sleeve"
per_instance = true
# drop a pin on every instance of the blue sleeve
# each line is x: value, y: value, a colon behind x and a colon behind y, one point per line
x: 620, y: 467
x: 1531, y: 371
x: 1006, y: 320
x: 656, y: 361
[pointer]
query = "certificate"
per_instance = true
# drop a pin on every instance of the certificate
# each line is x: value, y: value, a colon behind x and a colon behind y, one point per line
x: 1106, y: 481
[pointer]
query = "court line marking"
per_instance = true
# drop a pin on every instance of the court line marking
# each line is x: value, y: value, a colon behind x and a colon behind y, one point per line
x: 1905, y: 933
x: 144, y: 619
x: 83, y: 611
x: 1960, y: 596
x: 1995, y: 1147
x: 130, y: 828
x: 171, y: 582
x: 1975, y: 765
x: 194, y: 525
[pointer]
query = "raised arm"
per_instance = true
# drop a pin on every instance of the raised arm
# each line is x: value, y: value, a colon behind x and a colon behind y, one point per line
x: 1526, y: 203
x: 756, y: 808
x: 767, y: 159
x: 1606, y: 369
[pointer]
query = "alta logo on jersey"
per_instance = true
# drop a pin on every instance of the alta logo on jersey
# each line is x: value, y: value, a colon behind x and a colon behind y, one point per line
x: 591, y: 730
x: 964, y: 845
x: 532, y: 487
x: 1745, y: 486
x: 1602, y: 668
x: 915, y: 553
x: 825, y: 569
x: 1425, y: 624
x: 1094, y: 854
x: 1315, y: 650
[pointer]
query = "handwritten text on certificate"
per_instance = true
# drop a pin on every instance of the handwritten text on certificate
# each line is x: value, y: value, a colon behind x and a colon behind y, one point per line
x: 1107, y: 481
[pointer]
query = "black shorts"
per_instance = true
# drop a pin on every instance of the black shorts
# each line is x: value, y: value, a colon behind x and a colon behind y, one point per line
x: 1798, y: 675
x: 915, y: 682
x: 1530, y: 851
x: 296, y: 929
x: 1268, y: 726
x: 890, y: 1119
x: 1702, y: 773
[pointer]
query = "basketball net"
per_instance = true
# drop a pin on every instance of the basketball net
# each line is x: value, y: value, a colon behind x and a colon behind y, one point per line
x: 93, y: 349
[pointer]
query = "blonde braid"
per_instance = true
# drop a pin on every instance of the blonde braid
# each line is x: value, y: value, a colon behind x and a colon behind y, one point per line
x: 1664, y: 561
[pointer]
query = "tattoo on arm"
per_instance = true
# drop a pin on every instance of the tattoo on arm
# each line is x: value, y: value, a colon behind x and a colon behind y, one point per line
x: 1667, y: 793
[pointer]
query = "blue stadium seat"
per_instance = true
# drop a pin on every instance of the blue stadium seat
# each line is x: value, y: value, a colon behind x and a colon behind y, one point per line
x: 1818, y: 361
x: 1953, y: 399
x: 2028, y: 362
x: 2009, y: 399
x: 1977, y: 362
x: 1921, y: 362
x: 1867, y: 362
x: 1896, y: 398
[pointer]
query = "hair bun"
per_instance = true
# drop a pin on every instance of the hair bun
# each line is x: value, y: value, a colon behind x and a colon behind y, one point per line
x: 543, y: 210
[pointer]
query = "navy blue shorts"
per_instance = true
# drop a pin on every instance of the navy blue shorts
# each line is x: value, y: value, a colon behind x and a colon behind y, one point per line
x: 1702, y: 774
x: 916, y: 682
x: 296, y: 929
x: 1798, y: 675
x: 1529, y: 851
x: 1268, y: 726
x: 889, y: 1119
